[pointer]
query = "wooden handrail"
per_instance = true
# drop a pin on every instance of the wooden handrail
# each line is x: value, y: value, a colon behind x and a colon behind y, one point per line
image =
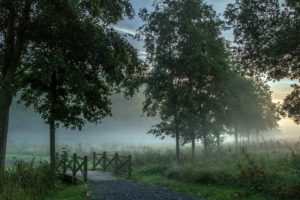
x: 118, y: 164
x: 74, y: 164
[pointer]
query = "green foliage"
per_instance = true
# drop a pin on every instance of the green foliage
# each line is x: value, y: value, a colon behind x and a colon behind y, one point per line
x: 266, y: 32
x: 69, y: 75
x: 250, y: 105
x: 189, y: 67
x: 268, y: 168
x: 65, y: 59
x: 252, y: 175
x: 202, y: 191
x: 291, y: 104
x: 26, y: 180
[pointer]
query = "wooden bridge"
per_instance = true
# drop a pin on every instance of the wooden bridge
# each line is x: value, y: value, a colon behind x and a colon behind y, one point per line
x: 76, y: 167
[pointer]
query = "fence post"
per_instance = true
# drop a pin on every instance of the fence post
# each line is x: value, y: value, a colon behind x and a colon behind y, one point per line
x: 85, y: 169
x: 104, y: 161
x: 64, y: 164
x: 94, y: 161
x: 74, y: 167
x: 129, y: 166
x: 116, y: 163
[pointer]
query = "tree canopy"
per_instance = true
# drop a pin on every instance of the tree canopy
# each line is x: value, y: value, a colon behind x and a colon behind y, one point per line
x: 188, y: 60
x: 268, y: 41
x: 65, y: 57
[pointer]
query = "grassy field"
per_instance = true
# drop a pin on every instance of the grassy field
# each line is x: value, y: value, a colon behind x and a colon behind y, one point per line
x: 203, y: 191
x: 264, y: 170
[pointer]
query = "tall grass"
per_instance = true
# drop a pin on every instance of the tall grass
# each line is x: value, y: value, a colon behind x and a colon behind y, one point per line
x: 26, y: 181
x: 270, y: 167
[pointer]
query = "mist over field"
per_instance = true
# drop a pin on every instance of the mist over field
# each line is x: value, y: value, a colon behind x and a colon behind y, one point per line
x: 127, y: 126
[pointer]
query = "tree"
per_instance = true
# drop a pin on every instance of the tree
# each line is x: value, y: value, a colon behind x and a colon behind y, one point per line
x: 267, y: 35
x: 292, y: 104
x: 188, y: 59
x: 58, y: 29
x: 250, y: 106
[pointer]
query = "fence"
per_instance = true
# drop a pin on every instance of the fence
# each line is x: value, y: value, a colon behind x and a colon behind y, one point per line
x: 74, y: 165
x: 120, y: 165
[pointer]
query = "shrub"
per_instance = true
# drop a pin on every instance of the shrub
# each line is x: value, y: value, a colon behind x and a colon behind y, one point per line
x: 26, y: 180
x: 252, y: 174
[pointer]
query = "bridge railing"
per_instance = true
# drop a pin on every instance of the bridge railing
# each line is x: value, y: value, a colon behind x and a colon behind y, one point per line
x: 74, y: 164
x: 120, y: 165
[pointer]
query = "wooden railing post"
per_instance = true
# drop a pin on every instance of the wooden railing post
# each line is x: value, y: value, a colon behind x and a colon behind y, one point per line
x: 85, y: 169
x: 116, y: 163
x: 65, y: 160
x: 94, y: 161
x: 74, y: 167
x: 104, y: 161
x: 129, y: 166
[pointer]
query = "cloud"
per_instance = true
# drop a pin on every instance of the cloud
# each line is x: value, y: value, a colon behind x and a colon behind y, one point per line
x: 124, y: 30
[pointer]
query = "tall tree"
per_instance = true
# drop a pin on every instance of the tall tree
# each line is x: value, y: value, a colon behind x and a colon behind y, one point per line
x: 268, y: 40
x: 250, y: 106
x: 188, y: 58
x: 57, y: 29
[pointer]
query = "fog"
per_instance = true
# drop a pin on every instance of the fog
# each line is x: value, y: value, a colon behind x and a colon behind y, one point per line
x: 126, y: 127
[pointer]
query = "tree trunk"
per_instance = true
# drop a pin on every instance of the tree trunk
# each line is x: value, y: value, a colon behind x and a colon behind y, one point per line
x: 248, y: 136
x: 205, y: 146
x: 14, y: 44
x: 53, y: 95
x: 5, y: 102
x: 193, y: 146
x: 236, y: 137
x: 177, y: 135
x: 52, y: 145
x: 218, y: 143
x: 177, y: 139
x: 177, y: 148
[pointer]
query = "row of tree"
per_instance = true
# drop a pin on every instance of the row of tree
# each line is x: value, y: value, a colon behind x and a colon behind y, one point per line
x: 193, y: 84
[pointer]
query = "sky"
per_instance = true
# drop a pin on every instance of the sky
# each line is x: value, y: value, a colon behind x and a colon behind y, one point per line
x: 280, y: 89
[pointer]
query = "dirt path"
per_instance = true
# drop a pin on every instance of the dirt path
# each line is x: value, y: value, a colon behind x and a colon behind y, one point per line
x: 104, y: 186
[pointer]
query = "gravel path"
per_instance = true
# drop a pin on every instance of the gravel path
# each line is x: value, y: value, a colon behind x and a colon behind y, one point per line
x: 129, y: 190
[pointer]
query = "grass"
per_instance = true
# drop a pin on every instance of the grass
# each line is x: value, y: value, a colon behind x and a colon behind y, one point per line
x: 203, y: 191
x: 264, y: 170
x: 26, y: 181
x: 32, y: 180
x: 26, y: 157
x: 68, y: 192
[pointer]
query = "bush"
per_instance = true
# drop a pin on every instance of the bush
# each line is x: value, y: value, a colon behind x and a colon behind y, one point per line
x: 252, y: 174
x: 26, y: 180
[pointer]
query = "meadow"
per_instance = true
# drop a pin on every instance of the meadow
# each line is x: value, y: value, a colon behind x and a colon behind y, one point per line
x: 264, y: 170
